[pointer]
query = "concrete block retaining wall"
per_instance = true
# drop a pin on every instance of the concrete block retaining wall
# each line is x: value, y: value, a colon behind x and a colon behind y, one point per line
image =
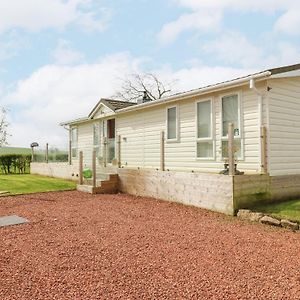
x: 215, y: 192
x: 210, y: 191
x: 59, y: 170
x: 249, y: 190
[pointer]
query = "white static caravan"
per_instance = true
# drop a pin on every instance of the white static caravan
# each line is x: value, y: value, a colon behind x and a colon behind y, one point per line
x: 185, y: 166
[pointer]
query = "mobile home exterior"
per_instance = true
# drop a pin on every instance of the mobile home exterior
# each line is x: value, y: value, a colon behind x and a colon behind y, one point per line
x: 264, y: 109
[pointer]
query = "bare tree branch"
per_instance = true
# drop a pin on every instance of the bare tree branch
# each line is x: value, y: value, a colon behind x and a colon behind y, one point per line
x: 136, y: 86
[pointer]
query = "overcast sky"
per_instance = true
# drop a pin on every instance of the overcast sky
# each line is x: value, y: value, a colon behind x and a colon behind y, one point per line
x: 59, y: 57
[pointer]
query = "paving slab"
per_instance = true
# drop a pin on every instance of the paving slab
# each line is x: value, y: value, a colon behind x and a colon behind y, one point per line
x: 12, y: 220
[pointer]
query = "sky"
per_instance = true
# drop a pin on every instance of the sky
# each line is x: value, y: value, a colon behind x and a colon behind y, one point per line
x: 59, y: 57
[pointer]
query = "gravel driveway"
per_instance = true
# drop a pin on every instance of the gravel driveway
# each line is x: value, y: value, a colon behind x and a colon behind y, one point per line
x: 80, y: 246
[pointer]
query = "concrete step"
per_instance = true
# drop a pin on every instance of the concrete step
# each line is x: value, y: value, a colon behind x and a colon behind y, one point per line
x: 108, y: 184
x: 96, y: 190
x: 106, y: 176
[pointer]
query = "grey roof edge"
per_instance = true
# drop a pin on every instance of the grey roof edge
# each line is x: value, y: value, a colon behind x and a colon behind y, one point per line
x: 284, y: 69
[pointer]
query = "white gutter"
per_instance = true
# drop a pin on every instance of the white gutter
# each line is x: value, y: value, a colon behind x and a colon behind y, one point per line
x: 205, y: 90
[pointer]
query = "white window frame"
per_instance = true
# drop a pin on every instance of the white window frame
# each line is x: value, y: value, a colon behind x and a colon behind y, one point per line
x: 176, y: 139
x: 72, y: 142
x: 212, y: 130
x: 240, y: 136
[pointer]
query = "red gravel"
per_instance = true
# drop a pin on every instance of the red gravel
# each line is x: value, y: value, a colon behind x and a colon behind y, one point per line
x: 80, y: 246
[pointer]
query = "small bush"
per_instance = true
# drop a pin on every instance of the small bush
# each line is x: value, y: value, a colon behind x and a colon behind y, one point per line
x: 15, y: 163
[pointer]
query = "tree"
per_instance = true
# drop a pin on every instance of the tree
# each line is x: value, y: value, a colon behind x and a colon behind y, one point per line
x: 143, y: 86
x: 3, y: 127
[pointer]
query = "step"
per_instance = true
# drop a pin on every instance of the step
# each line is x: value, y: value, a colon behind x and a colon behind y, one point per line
x: 97, y: 190
x: 106, y: 176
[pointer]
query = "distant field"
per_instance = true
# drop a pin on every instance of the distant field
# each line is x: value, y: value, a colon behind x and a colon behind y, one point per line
x: 14, y: 150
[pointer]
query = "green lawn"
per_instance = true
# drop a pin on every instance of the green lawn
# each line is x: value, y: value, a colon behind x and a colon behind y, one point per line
x: 288, y: 210
x: 26, y: 184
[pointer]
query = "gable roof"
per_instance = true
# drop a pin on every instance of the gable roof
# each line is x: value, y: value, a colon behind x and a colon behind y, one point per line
x: 123, y: 106
x: 112, y: 104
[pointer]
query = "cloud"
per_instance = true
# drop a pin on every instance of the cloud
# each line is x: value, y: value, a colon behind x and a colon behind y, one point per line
x: 207, y: 16
x: 57, y: 14
x: 289, y: 23
x: 56, y: 93
x: 200, y: 75
x: 11, y: 44
x: 226, y: 50
x: 63, y: 54
x: 265, y: 6
x: 233, y: 48
x: 198, y: 20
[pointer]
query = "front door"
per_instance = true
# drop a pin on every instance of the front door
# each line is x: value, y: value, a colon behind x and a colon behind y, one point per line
x: 111, y: 141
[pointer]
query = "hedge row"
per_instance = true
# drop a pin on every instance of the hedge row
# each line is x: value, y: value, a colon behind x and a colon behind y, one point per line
x: 15, y: 163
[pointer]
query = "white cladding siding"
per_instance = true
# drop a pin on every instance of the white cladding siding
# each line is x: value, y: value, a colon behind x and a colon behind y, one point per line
x: 85, y: 143
x: 140, y: 135
x: 250, y: 131
x: 284, y: 114
x: 103, y: 111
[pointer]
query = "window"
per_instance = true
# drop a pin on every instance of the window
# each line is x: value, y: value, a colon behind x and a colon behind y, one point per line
x: 205, y: 143
x: 97, y: 138
x: 231, y: 114
x: 172, y: 124
x: 74, y: 142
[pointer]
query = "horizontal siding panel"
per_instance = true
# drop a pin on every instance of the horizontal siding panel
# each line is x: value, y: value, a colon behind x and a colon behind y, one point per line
x: 284, y: 129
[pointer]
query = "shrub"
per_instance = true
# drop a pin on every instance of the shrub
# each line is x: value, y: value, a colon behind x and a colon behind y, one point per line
x: 14, y: 163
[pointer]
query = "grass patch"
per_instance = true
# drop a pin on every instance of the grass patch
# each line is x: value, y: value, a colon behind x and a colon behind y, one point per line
x: 284, y: 210
x: 27, y: 184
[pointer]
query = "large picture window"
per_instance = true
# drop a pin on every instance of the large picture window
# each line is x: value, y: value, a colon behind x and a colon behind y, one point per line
x: 74, y: 142
x: 231, y: 114
x: 205, y: 144
x: 172, y: 124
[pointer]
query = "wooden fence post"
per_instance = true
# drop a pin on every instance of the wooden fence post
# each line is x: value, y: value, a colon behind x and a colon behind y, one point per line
x: 94, y: 168
x: 162, y: 150
x: 104, y: 152
x: 32, y: 154
x: 231, y: 149
x: 80, y: 167
x: 47, y: 153
x: 119, y: 151
x: 70, y: 153
x: 263, y: 137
